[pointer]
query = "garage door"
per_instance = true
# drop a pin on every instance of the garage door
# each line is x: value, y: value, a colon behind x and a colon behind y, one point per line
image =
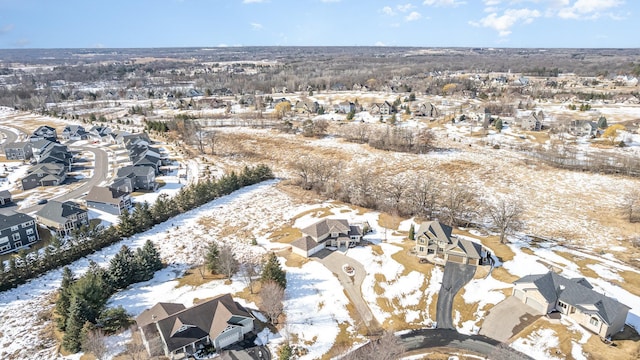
x: 519, y: 294
x: 456, y: 258
x: 536, y: 305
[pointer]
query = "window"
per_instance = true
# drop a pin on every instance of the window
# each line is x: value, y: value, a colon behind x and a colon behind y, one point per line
x: 4, y: 246
x: 562, y: 305
x: 17, y: 244
x: 29, y: 231
x: 14, y: 228
x: 421, y: 248
x: 31, y: 238
x: 594, y: 321
x: 27, y: 224
x: 15, y: 236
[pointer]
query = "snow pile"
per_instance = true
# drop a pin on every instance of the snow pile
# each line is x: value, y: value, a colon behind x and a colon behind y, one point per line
x: 537, y: 344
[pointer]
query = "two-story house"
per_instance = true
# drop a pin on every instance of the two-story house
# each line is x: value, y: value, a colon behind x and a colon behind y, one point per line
x: 17, y: 230
x: 63, y: 217
x: 335, y: 233
x: 44, y: 132
x: 18, y: 151
x: 435, y: 242
x: 110, y: 200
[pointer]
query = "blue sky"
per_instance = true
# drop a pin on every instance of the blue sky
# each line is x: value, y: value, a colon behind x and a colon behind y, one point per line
x: 438, y: 23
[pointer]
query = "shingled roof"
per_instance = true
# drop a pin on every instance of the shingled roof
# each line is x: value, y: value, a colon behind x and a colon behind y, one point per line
x: 577, y: 292
x: 327, y: 226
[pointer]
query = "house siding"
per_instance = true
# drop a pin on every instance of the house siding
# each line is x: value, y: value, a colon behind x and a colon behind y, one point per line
x: 108, y: 208
x: 27, y: 235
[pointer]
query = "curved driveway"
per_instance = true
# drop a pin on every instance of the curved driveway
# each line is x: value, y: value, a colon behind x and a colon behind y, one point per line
x: 454, y: 278
x: 334, y: 260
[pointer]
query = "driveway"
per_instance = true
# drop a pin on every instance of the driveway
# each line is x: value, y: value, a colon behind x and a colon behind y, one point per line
x: 334, y: 260
x: 454, y: 278
x: 508, y: 318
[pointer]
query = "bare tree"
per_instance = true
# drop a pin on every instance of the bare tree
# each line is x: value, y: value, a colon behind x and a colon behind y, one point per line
x: 387, y: 347
x: 424, y: 193
x: 212, y: 138
x: 250, y: 271
x: 506, y: 216
x: 395, y: 189
x: 271, y: 298
x: 458, y: 205
x: 630, y: 205
x: 93, y: 342
x: 227, y: 262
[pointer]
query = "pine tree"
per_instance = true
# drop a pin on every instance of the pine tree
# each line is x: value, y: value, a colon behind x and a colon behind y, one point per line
x: 93, y: 291
x: 212, y: 257
x: 121, y: 268
x: 272, y: 271
x: 147, y: 261
x: 64, y: 297
x: 127, y: 226
x: 142, y: 216
x: 412, y: 232
x: 75, y: 321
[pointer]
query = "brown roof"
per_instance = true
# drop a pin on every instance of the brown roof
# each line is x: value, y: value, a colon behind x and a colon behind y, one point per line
x: 206, y: 318
x: 158, y: 311
x: 305, y: 243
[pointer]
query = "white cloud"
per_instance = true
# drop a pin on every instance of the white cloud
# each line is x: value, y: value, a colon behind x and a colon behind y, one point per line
x: 256, y: 26
x: 413, y: 16
x: 443, y: 3
x: 387, y: 10
x: 503, y: 24
x: 6, y: 29
x: 405, y: 7
x: 330, y: 1
x: 491, y: 2
x: 253, y: 1
x: 379, y: 43
x: 587, y: 9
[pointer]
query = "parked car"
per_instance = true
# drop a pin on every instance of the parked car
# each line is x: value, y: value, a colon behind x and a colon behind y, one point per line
x: 42, y: 201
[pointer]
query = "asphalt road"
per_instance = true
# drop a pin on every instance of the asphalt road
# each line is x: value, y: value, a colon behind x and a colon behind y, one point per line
x: 417, y: 340
x: 10, y: 137
x: 454, y: 278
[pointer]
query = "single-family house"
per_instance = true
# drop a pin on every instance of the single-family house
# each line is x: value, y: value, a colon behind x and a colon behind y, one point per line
x: 574, y: 298
x: 18, y: 151
x: 44, y: 132
x: 336, y: 233
x: 583, y: 128
x: 387, y: 108
x: 112, y: 201
x: 17, y: 230
x: 74, y: 132
x: 435, y: 242
x: 100, y: 133
x: 123, y: 184
x: 5, y: 198
x: 533, y: 122
x: 426, y: 109
x: 45, y: 174
x: 174, y: 331
x: 345, y: 107
x: 63, y: 217
x: 142, y: 177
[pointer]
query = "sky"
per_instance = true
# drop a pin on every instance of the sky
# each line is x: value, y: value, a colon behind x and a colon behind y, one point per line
x: 421, y: 23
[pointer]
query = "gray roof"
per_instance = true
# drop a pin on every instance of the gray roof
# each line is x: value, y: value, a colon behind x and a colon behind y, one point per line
x: 5, y: 194
x: 472, y: 249
x: 441, y: 231
x: 59, y: 212
x: 18, y: 145
x: 326, y: 226
x: 135, y: 171
x: 577, y: 292
x: 13, y: 219
x: 206, y: 318
x: 157, y: 312
x: 105, y: 195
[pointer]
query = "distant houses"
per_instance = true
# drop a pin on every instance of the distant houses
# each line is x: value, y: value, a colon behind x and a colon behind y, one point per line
x: 334, y: 233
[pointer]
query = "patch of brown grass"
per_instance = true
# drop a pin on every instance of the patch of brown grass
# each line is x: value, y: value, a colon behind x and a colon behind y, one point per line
x: 581, y: 262
x: 390, y: 221
x: 376, y: 249
x: 540, y: 137
x: 563, y: 334
x: 502, y: 251
x: 344, y: 341
x: 631, y: 281
x: 410, y: 261
x: 293, y: 260
x: 627, y: 346
x: 285, y: 235
x: 197, y: 276
x: 467, y: 311
x: 320, y: 212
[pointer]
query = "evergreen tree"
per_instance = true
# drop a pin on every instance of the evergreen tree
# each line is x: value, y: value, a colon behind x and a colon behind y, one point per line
x: 64, y: 297
x: 121, y: 268
x: 147, y: 261
x: 72, y: 337
x: 142, y: 216
x: 92, y: 291
x: 127, y: 226
x: 412, y: 232
x: 498, y: 124
x: 113, y: 319
x: 272, y: 271
x: 212, y: 257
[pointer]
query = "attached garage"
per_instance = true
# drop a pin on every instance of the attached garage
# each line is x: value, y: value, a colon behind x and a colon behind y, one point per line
x: 457, y: 259
x: 227, y: 338
x: 518, y: 293
x: 536, y: 305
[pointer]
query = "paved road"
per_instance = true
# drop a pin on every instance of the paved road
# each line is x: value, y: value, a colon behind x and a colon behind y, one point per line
x: 333, y: 260
x: 454, y: 278
x: 417, y: 340
x: 10, y: 137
